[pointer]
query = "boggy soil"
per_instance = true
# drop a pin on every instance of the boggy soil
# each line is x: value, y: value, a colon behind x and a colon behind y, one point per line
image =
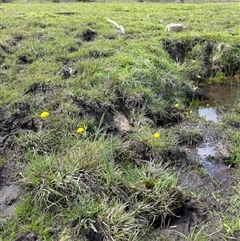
x: 200, y: 210
x: 212, y: 188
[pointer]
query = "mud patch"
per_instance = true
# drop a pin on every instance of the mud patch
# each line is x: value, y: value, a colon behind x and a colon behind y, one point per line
x: 6, y: 49
x: 203, y: 57
x: 121, y: 122
x: 14, y: 121
x: 66, y: 13
x: 15, y: 40
x: 9, y: 195
x: 24, y: 59
x: 95, y: 111
x: 67, y: 72
x: 39, y: 92
x: 2, y: 26
x: 38, y: 87
x: 27, y: 236
x: 201, y: 215
x: 176, y: 49
x: 88, y: 35
x: 96, y: 236
x: 10, y: 191
x: 181, y: 223
x: 105, y: 115
x: 133, y: 152
x: 14, y: 124
x: 210, y: 152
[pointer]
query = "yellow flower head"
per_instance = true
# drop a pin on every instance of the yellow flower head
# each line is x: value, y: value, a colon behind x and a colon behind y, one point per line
x: 177, y: 105
x: 190, y: 112
x: 199, y: 76
x: 156, y: 135
x: 44, y: 114
x: 80, y: 130
x: 207, y: 105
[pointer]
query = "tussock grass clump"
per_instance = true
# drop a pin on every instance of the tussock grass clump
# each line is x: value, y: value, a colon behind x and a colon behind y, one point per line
x: 111, y: 201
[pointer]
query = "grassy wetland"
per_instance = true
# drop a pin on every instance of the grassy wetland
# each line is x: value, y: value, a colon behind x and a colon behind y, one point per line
x: 101, y: 134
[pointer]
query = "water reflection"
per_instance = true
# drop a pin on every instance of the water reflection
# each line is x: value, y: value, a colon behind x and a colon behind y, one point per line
x: 206, y: 150
x: 202, y: 154
x: 208, y: 113
x: 222, y: 94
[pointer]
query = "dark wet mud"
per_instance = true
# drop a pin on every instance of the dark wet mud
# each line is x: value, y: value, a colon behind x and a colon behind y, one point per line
x: 207, y: 170
x: 10, y: 192
x: 8, y: 197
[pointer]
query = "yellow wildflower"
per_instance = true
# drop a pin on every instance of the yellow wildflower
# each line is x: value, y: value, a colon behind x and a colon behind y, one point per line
x: 156, y: 135
x: 177, y: 105
x: 190, y: 112
x: 80, y: 130
x: 207, y: 105
x: 44, y: 114
x: 199, y: 76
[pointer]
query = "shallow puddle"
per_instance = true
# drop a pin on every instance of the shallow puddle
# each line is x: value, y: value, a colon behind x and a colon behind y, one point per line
x: 208, y: 151
x: 222, y: 94
x: 218, y: 95
x: 208, y: 113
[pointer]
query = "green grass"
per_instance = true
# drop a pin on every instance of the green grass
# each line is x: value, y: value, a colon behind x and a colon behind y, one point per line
x: 46, y: 38
x: 106, y: 179
x: 68, y: 186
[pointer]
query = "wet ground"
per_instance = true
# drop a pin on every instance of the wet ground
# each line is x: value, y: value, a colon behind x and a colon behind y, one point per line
x: 221, y: 94
x: 8, y: 196
x: 206, y: 171
x: 203, y: 170
x: 209, y: 114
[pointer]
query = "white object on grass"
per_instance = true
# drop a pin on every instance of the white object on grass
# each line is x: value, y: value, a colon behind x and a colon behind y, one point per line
x: 175, y: 27
x: 117, y: 25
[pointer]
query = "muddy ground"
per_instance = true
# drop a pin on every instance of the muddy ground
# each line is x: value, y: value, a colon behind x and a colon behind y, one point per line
x: 210, y: 156
x: 201, y: 164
